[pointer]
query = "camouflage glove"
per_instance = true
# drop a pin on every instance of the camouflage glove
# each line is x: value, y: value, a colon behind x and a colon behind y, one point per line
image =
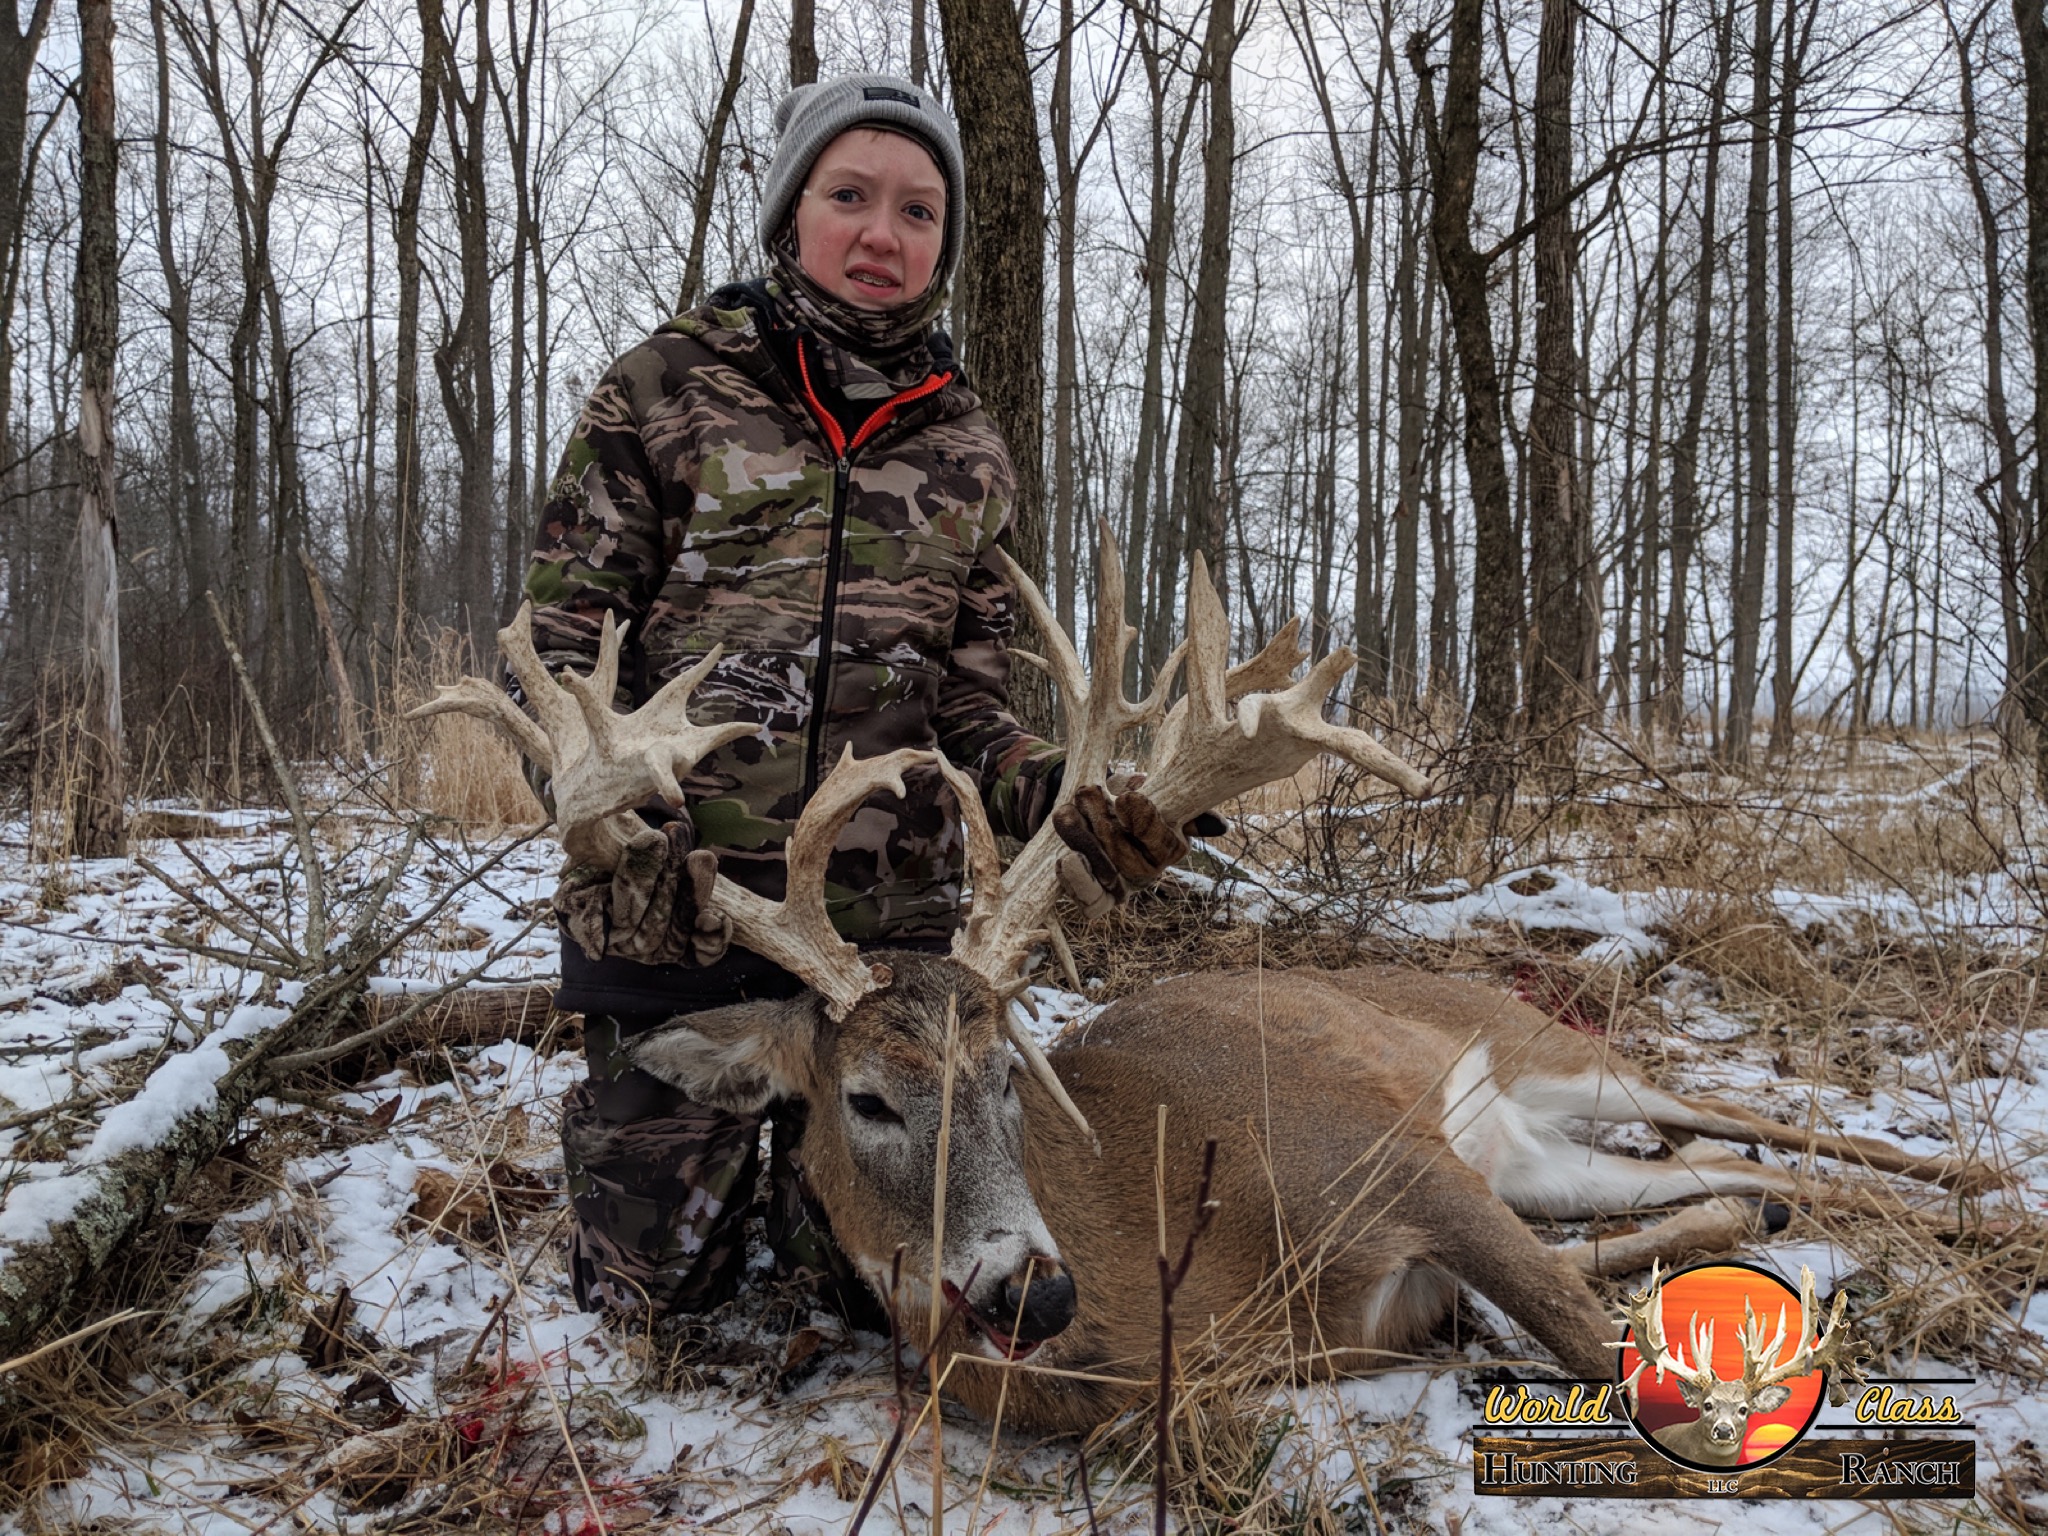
x: 1118, y: 842
x: 655, y: 908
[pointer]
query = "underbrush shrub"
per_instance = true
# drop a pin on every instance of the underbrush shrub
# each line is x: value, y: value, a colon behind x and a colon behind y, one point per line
x: 450, y: 765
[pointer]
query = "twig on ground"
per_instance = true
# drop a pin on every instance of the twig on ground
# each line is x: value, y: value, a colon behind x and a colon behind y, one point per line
x: 1170, y: 1277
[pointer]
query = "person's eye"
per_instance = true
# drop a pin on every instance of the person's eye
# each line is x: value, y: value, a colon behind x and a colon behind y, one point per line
x: 844, y: 196
x: 872, y: 1107
x: 921, y: 213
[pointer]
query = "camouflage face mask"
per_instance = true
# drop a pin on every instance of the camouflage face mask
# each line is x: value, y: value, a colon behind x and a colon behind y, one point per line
x: 882, y: 337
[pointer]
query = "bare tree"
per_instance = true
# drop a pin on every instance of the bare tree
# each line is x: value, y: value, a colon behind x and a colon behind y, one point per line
x: 1557, y: 645
x: 1746, y: 601
x: 2033, y: 39
x: 409, y: 534
x: 462, y: 360
x: 1002, y: 298
x: 99, y: 816
x: 1197, y: 509
x: 1453, y: 142
x: 1685, y: 450
x: 714, y: 150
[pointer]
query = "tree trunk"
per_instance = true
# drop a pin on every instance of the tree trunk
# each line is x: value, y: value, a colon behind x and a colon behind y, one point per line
x: 462, y: 360
x: 2007, y: 511
x: 714, y: 149
x: 348, y: 725
x: 408, y: 537
x: 1197, y: 507
x: 1496, y: 583
x: 1785, y: 682
x: 1417, y: 322
x: 182, y: 467
x: 1148, y: 601
x: 803, y: 42
x: 1554, y: 667
x: 99, y: 824
x: 1002, y: 292
x: 1747, y: 599
x: 19, y: 46
x: 1060, y: 118
x: 1685, y: 451
x: 2033, y: 37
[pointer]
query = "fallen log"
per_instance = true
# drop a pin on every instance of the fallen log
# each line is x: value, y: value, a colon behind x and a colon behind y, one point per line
x: 56, y: 1234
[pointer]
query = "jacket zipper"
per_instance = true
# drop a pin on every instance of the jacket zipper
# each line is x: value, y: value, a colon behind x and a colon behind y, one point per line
x: 843, y: 452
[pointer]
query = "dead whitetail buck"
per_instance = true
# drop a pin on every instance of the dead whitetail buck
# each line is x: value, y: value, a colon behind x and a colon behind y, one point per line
x: 1715, y: 1438
x: 1379, y: 1129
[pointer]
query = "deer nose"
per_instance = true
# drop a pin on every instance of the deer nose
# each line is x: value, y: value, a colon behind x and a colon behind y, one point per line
x: 1046, y: 1299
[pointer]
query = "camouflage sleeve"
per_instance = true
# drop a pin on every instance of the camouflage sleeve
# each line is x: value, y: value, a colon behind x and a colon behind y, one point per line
x: 601, y: 549
x: 603, y: 546
x: 1019, y: 772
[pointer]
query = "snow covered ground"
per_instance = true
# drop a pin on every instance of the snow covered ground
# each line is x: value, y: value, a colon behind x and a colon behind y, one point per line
x: 457, y: 1381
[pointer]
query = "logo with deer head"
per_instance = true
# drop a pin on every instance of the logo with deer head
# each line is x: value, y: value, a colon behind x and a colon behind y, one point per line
x: 1748, y: 1399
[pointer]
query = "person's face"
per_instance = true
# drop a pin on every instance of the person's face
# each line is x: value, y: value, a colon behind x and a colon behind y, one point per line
x: 872, y: 219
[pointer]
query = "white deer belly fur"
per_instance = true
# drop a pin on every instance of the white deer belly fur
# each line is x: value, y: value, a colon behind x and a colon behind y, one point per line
x: 1522, y: 1145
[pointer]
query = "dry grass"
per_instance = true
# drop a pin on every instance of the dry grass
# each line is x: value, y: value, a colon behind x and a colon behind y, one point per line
x: 450, y: 765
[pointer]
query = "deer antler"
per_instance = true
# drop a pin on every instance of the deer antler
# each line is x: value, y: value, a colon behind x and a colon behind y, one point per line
x: 1761, y: 1366
x: 1217, y: 752
x: 601, y: 763
x: 797, y: 932
x: 1643, y: 1315
x: 1005, y: 928
x: 985, y: 869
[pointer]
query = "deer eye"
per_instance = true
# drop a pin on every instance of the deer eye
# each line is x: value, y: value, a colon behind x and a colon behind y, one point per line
x: 872, y: 1107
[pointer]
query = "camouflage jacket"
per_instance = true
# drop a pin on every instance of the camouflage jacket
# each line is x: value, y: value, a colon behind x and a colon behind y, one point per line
x: 710, y: 495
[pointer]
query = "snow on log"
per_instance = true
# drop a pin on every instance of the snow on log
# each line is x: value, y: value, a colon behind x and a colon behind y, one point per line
x: 57, y: 1231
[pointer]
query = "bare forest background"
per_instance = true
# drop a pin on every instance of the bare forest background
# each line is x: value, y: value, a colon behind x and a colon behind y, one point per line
x: 1674, y: 368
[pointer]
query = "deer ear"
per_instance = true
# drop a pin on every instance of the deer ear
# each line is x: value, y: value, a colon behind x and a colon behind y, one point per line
x: 1693, y: 1396
x: 741, y: 1059
x: 1770, y: 1399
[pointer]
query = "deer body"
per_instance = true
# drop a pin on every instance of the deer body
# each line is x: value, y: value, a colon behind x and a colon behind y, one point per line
x: 1379, y: 1131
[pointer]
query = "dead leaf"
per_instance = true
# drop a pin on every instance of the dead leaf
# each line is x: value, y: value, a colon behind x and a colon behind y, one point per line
x: 846, y: 1475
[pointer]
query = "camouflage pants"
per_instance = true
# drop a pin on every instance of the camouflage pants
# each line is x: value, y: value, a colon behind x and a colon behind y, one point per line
x: 662, y: 1187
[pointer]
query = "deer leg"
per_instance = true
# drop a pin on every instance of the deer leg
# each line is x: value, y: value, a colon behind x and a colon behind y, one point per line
x: 1714, y: 1226
x: 1484, y: 1244
x: 1578, y: 1181
x: 1711, y: 1117
x: 1612, y: 1097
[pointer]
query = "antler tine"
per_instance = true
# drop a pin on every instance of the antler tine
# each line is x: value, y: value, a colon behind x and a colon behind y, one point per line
x: 985, y: 866
x: 1643, y: 1316
x: 1218, y: 753
x: 601, y: 763
x: 475, y: 697
x: 797, y: 932
x: 1097, y: 713
x: 1760, y: 1355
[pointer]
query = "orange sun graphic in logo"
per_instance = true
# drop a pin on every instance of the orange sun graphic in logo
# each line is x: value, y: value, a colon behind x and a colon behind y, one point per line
x: 1724, y: 1365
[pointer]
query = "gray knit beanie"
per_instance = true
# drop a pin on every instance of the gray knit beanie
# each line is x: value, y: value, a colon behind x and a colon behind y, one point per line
x: 812, y: 116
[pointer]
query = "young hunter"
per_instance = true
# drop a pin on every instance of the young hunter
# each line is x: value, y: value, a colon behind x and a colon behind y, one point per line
x: 797, y: 470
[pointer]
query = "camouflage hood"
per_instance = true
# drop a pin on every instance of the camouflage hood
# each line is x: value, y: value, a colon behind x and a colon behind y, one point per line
x: 736, y: 481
